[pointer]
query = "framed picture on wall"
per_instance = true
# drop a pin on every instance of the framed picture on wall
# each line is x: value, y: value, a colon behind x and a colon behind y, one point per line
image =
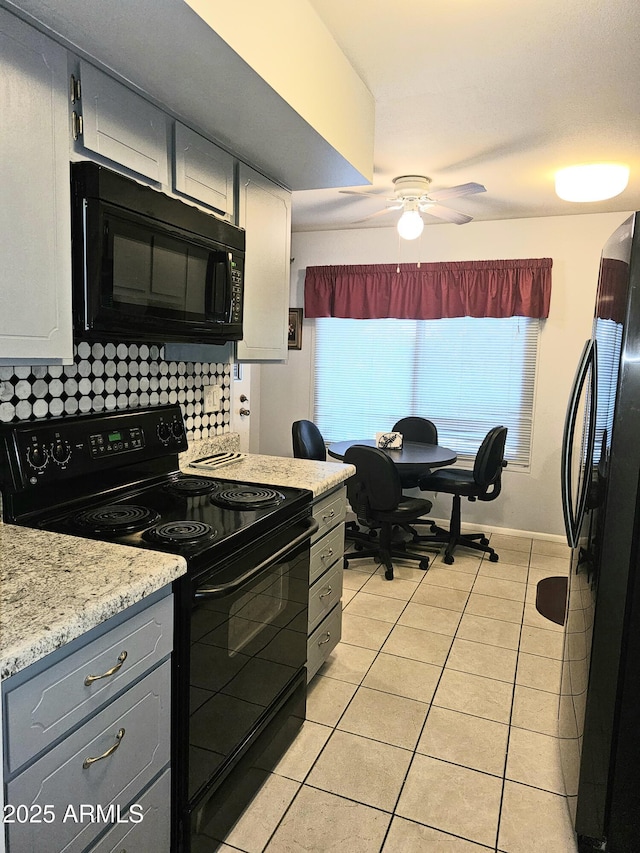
x: 295, y: 328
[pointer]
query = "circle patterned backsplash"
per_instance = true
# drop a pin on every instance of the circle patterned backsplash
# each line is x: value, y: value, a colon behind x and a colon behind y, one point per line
x: 108, y: 377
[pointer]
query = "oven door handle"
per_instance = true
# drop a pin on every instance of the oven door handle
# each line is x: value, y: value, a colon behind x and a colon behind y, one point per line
x: 206, y: 592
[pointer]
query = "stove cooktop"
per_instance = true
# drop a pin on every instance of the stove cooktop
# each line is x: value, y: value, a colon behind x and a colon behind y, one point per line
x: 186, y: 515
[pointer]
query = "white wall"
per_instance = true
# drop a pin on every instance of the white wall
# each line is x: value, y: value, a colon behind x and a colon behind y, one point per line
x: 530, y: 502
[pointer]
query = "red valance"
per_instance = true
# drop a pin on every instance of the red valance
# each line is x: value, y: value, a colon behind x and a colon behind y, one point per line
x: 613, y: 287
x: 431, y: 291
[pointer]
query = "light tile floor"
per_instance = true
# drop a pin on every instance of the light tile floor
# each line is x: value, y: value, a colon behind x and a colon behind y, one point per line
x: 431, y: 727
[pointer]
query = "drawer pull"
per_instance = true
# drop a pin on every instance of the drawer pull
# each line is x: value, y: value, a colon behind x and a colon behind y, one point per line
x: 323, y: 642
x: 332, y: 514
x: 325, y: 594
x: 326, y: 554
x: 91, y: 678
x: 89, y: 761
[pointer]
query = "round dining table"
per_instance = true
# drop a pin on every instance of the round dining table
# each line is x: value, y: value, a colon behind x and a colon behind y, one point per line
x: 412, y: 455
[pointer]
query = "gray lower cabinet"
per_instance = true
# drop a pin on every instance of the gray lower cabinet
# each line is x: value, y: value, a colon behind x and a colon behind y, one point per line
x: 325, y: 578
x: 87, y: 735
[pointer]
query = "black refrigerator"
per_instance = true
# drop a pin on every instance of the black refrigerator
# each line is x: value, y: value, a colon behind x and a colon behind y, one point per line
x: 599, y: 710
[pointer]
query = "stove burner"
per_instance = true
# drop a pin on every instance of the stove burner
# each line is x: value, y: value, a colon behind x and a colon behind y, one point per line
x: 116, y: 518
x: 247, y: 497
x: 192, y: 486
x: 180, y: 532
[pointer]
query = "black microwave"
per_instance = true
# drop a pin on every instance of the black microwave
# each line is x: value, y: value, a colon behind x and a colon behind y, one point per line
x: 148, y: 267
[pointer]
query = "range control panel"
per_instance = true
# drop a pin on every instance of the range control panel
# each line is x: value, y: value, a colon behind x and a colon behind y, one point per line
x: 46, y: 451
x: 116, y: 441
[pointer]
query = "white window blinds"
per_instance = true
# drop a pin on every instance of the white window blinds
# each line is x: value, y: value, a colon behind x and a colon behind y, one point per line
x: 465, y: 374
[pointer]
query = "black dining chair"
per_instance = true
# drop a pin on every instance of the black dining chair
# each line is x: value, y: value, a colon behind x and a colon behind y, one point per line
x: 422, y: 431
x: 375, y: 495
x: 308, y: 442
x: 483, y: 483
x: 419, y: 430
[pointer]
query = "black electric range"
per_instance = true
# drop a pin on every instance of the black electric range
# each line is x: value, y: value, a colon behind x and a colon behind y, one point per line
x: 239, y: 677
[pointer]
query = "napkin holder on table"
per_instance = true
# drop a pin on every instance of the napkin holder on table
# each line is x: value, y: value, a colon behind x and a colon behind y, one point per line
x: 389, y: 440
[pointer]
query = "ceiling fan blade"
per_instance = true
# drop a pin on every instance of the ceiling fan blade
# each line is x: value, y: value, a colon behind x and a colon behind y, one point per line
x: 445, y: 213
x: 455, y: 192
x: 380, y: 212
x: 362, y: 192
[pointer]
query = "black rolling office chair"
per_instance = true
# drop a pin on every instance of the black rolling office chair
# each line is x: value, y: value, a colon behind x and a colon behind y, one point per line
x: 307, y: 441
x: 375, y: 495
x: 419, y: 430
x: 483, y: 483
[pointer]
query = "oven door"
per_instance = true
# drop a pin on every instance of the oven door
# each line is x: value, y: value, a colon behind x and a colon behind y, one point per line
x: 246, y: 653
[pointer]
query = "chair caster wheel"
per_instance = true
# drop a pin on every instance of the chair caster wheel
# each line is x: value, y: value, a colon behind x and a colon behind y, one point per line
x: 484, y: 541
x: 373, y: 534
x: 493, y: 558
x: 424, y: 564
x: 389, y: 574
x: 358, y: 546
x: 448, y: 559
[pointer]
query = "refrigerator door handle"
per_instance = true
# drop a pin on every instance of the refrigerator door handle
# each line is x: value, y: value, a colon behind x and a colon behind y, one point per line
x: 573, y: 512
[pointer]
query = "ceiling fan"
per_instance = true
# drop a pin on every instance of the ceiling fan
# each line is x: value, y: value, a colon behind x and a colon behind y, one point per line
x: 412, y: 196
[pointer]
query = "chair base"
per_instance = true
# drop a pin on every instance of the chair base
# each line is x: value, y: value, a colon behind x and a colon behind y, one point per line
x: 454, y: 537
x: 384, y: 548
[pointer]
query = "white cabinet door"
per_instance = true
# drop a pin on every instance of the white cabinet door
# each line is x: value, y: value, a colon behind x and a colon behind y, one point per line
x: 121, y: 126
x: 202, y: 171
x: 265, y: 214
x: 35, y: 233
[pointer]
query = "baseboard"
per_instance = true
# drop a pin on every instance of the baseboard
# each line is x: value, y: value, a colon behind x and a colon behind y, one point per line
x: 504, y: 531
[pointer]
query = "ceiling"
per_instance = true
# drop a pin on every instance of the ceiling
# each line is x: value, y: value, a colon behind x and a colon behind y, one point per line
x: 499, y: 92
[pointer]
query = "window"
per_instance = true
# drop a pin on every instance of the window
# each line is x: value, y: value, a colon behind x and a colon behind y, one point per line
x: 465, y: 374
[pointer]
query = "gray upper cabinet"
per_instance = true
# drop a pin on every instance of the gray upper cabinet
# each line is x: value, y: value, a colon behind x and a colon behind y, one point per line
x: 35, y: 239
x: 202, y: 171
x: 265, y: 213
x: 121, y: 126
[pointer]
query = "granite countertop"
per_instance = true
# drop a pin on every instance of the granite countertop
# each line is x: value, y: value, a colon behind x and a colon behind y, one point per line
x: 318, y: 477
x: 54, y: 588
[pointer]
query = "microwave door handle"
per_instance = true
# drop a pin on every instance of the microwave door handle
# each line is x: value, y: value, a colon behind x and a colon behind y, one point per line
x: 227, y: 288
x: 216, y: 307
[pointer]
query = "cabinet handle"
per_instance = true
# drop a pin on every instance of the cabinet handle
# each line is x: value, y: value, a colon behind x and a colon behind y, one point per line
x: 326, y: 554
x: 323, y: 642
x: 91, y: 678
x: 89, y: 761
x: 330, y: 515
x: 325, y: 594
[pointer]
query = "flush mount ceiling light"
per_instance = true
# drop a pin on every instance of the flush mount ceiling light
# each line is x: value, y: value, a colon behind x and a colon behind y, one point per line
x: 594, y: 182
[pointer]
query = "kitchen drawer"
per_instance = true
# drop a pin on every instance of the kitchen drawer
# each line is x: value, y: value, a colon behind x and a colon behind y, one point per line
x: 41, y: 710
x: 60, y: 781
x: 325, y: 552
x: 152, y: 833
x: 324, y: 594
x: 329, y: 511
x: 323, y: 641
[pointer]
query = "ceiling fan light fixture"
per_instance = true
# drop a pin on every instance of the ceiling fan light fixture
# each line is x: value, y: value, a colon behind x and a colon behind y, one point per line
x: 410, y: 225
x: 593, y: 182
